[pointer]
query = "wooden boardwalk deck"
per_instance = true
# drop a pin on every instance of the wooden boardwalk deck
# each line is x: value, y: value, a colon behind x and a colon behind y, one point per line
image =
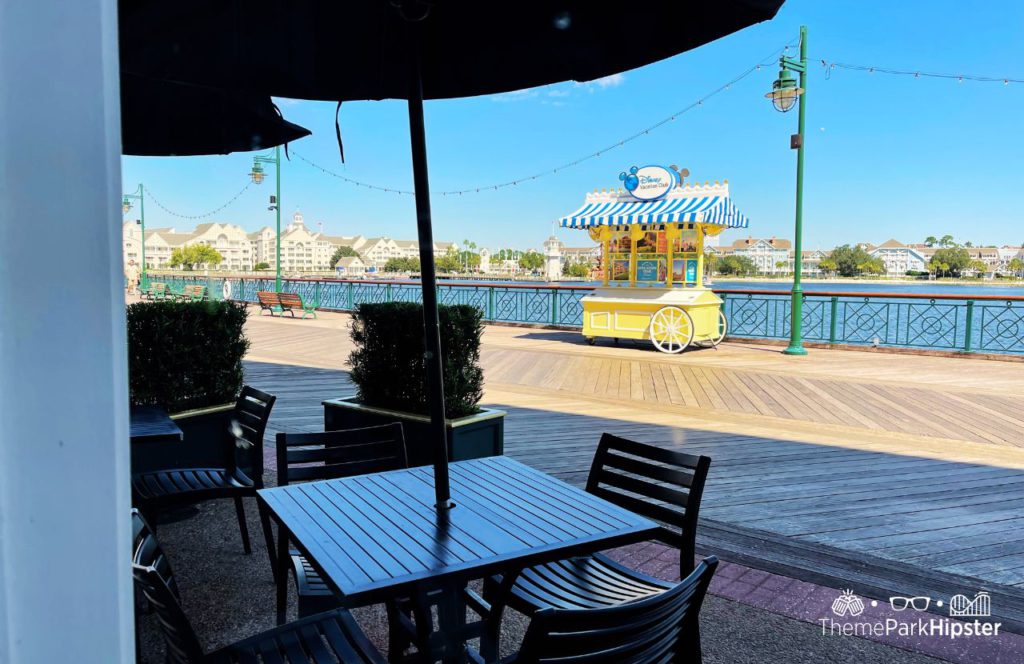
x: 889, y: 473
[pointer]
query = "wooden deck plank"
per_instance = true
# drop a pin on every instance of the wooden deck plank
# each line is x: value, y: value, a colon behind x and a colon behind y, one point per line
x: 913, y: 463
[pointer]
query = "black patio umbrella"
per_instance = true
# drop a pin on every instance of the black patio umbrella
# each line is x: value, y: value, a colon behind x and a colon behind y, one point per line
x: 414, y: 49
x: 161, y: 117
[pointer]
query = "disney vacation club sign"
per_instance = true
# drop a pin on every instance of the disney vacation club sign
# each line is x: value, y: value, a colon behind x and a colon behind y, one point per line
x: 649, y: 183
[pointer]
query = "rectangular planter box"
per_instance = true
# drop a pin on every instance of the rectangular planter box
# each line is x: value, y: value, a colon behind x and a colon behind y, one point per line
x: 470, y: 437
x: 204, y: 431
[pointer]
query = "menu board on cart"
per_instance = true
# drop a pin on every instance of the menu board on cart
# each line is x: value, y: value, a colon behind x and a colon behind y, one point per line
x: 652, y: 257
x: 620, y: 269
x: 619, y: 248
x: 686, y: 243
x: 684, y: 270
x: 651, y: 270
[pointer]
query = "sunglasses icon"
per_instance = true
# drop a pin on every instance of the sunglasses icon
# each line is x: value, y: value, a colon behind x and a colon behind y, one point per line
x: 917, y: 603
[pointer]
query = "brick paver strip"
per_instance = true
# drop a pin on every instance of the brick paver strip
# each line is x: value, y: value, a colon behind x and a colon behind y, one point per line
x: 811, y: 603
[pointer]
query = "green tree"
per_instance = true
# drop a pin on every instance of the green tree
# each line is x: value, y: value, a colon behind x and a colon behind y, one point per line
x: 261, y: 266
x: 849, y: 260
x: 189, y: 256
x: 828, y: 266
x: 979, y: 267
x: 946, y: 241
x: 968, y: 244
x: 781, y: 265
x: 952, y: 261
x: 872, y: 266
x: 344, y: 251
x: 576, y: 269
x: 1016, y: 266
x: 402, y: 265
x: 449, y: 262
x: 710, y: 262
x: 740, y: 266
x: 531, y: 260
x: 931, y: 241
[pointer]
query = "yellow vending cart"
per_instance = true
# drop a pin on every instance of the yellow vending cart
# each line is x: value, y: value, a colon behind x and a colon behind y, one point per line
x: 652, y: 234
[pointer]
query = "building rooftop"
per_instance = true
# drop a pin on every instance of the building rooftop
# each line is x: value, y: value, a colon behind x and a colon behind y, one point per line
x: 778, y: 243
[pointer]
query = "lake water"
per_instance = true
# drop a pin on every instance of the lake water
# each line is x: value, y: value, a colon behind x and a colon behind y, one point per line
x: 923, y: 287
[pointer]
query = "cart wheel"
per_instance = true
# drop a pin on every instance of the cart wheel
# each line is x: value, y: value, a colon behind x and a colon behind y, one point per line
x: 671, y: 330
x: 590, y: 340
x: 723, y: 328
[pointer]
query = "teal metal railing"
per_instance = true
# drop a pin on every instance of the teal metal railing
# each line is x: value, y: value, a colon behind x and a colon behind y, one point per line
x: 965, y: 323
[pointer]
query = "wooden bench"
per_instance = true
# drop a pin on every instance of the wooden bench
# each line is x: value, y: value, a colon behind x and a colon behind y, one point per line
x: 268, y: 301
x: 291, y: 301
x: 194, y: 293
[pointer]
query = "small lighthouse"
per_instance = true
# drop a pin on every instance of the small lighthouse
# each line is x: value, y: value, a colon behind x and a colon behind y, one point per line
x: 553, y: 259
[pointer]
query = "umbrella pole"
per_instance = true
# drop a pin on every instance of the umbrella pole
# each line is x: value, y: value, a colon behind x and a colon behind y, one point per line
x: 431, y: 332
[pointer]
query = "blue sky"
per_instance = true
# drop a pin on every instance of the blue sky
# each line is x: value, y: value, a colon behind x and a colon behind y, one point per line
x: 886, y: 156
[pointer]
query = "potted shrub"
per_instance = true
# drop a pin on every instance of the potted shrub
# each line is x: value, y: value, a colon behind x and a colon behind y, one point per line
x: 187, y: 358
x: 388, y: 371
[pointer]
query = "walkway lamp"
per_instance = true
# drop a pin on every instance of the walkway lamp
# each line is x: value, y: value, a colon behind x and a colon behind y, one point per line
x: 257, y: 176
x: 126, y: 206
x: 786, y: 93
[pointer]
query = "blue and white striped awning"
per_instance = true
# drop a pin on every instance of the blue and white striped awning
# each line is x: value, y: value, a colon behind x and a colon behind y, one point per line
x: 717, y: 210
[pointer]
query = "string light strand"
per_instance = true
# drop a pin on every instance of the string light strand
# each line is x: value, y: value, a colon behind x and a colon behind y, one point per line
x: 160, y: 205
x: 831, y: 66
x: 768, y: 60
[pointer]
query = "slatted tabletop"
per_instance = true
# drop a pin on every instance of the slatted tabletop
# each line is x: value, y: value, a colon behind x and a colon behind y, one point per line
x: 374, y: 535
x: 150, y: 423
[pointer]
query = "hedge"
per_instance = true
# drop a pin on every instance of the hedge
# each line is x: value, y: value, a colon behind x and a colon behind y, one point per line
x: 185, y: 355
x: 388, y: 367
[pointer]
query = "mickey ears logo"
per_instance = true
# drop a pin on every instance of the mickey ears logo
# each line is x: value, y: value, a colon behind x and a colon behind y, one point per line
x: 631, y: 180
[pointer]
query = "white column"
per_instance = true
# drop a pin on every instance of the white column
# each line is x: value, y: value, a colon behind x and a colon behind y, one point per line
x: 65, y: 581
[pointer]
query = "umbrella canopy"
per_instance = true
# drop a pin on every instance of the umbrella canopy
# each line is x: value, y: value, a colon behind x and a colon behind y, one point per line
x: 165, y: 118
x: 413, y: 49
x: 361, y: 49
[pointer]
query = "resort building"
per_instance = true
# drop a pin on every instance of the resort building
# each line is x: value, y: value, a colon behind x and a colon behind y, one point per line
x: 811, y: 264
x: 899, y: 258
x: 587, y: 255
x: 302, y: 249
x: 770, y: 256
x: 990, y: 256
x: 350, y: 266
x: 230, y: 240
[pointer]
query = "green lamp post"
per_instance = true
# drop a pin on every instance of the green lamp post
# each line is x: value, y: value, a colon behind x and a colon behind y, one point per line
x: 257, y: 176
x: 126, y: 206
x: 786, y: 93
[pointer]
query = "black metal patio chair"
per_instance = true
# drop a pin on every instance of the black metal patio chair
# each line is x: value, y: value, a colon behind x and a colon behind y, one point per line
x: 663, y: 485
x: 303, y: 457
x: 333, y: 636
x: 660, y: 628
x: 153, y: 491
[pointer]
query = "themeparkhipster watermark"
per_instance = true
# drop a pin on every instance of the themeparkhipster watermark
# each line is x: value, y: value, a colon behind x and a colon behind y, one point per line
x: 848, y: 607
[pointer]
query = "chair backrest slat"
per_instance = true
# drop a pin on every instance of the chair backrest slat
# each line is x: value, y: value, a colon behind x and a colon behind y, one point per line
x: 330, y: 454
x: 251, y: 415
x: 661, y: 484
x: 662, y: 627
x: 647, y: 489
x: 155, y: 580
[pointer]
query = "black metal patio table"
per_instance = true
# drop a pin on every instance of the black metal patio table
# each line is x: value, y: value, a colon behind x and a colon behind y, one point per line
x: 377, y: 537
x: 152, y: 424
